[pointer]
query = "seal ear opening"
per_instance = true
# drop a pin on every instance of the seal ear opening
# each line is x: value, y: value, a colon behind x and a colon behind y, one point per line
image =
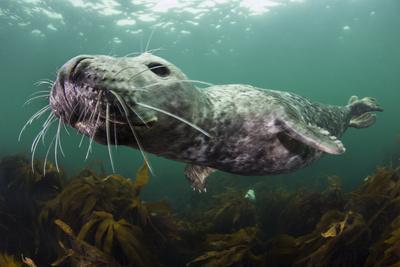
x: 159, y: 69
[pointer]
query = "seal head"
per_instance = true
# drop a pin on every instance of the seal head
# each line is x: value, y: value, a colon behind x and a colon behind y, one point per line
x: 93, y: 90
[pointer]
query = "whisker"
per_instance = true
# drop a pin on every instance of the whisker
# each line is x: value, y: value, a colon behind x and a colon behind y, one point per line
x: 44, y: 130
x: 49, y: 121
x: 141, y: 42
x: 57, y: 145
x: 27, y: 102
x: 138, y: 115
x: 115, y: 137
x: 84, y: 113
x: 35, y: 116
x: 47, y: 156
x: 188, y: 81
x: 73, y: 111
x: 118, y: 97
x: 59, y: 139
x: 115, y: 125
x: 92, y: 137
x: 123, y: 105
x: 197, y: 81
x: 176, y: 117
x: 81, y: 142
x: 91, y: 119
x: 65, y: 128
x: 108, y: 136
x: 149, y: 40
x: 152, y: 51
x: 44, y: 82
x: 132, y: 54
x: 122, y: 70
x: 45, y: 125
x: 40, y: 92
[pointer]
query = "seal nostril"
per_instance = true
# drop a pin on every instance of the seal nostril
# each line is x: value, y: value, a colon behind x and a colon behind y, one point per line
x: 77, y: 66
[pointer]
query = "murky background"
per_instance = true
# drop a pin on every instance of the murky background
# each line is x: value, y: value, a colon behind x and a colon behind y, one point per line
x: 324, y: 50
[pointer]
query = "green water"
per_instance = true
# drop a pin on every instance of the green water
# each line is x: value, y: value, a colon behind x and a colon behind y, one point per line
x: 324, y: 50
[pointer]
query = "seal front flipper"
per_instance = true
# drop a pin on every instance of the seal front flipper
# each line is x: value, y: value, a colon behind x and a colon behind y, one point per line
x: 197, y: 176
x: 312, y: 136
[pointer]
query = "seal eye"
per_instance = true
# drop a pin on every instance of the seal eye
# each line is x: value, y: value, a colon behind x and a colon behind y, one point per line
x: 159, y: 69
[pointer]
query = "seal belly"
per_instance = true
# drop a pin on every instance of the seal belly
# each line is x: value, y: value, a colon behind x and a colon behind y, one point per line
x: 274, y: 154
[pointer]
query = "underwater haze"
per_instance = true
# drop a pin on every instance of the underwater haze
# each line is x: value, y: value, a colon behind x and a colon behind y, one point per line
x: 325, y: 50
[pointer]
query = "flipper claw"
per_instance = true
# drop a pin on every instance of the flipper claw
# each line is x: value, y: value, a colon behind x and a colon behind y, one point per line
x: 197, y: 176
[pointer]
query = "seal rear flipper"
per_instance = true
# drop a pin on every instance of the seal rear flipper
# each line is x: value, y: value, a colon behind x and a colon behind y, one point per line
x: 363, y: 121
x: 361, y: 111
x: 197, y: 176
x: 312, y: 136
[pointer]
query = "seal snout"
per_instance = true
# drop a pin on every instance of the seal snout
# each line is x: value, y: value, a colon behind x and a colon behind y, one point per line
x: 71, y: 94
x: 72, y: 67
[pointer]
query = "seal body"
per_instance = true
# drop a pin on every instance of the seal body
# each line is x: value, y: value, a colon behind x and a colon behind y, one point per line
x: 250, y: 135
x: 151, y: 105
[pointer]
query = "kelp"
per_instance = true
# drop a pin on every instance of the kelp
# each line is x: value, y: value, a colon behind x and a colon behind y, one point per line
x: 80, y: 253
x: 24, y: 188
x: 38, y: 180
x: 101, y: 220
x: 230, y: 211
x: 268, y: 215
x: 305, y: 208
x: 386, y: 252
x: 336, y: 241
x: 296, y: 213
x: 355, y: 235
x: 28, y: 262
x: 9, y: 261
x: 326, y: 228
x: 110, y: 235
x: 107, y: 212
x: 236, y: 249
x: 88, y: 192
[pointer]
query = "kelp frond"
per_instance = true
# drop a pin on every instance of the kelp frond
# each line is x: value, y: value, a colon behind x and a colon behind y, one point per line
x: 86, y: 194
x: 110, y: 235
x: 9, y: 261
x: 81, y: 253
x: 231, y: 250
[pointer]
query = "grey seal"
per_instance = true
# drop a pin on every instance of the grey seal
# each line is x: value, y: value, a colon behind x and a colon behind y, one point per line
x: 147, y: 103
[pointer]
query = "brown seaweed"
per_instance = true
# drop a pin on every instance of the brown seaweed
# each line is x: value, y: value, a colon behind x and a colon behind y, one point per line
x: 24, y: 188
x: 236, y: 249
x: 229, y: 212
x: 110, y: 235
x: 104, y: 222
x: 9, y: 261
x: 80, y: 253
